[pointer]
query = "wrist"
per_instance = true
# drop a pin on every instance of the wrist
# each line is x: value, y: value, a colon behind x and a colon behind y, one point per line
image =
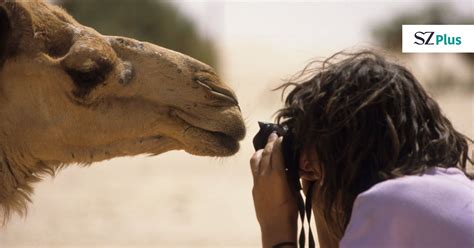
x: 277, y: 233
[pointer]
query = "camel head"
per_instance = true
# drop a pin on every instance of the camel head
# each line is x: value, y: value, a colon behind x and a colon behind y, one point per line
x: 71, y: 95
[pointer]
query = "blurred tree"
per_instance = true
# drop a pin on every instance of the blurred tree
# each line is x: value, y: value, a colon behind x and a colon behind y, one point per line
x: 389, y: 36
x: 154, y: 21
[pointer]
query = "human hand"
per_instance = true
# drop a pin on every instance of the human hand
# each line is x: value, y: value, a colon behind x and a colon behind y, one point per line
x: 274, y: 202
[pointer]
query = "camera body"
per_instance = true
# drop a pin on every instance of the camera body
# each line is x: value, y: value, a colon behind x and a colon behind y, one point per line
x: 290, y: 153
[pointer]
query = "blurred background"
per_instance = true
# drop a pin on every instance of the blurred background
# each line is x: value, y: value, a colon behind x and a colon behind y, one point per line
x: 177, y: 200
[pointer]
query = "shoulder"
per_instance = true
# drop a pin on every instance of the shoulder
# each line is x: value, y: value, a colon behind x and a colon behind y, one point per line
x: 398, y: 212
x: 436, y: 185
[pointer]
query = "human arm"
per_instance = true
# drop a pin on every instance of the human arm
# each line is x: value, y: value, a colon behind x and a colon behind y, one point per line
x: 274, y: 203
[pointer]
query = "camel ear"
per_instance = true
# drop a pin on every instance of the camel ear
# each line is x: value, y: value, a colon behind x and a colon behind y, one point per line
x: 5, y: 33
x: 13, y: 18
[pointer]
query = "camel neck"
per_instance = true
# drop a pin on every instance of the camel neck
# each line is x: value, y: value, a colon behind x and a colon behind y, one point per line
x: 16, y: 184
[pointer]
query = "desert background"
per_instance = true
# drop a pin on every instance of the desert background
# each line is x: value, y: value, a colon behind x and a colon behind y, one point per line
x: 179, y: 200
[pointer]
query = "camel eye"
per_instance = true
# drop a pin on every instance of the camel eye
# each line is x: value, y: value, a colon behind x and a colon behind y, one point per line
x: 86, y: 80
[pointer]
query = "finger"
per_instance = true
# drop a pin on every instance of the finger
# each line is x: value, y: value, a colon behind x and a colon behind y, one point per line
x: 277, y: 160
x: 272, y: 137
x: 265, y: 165
x: 255, y: 162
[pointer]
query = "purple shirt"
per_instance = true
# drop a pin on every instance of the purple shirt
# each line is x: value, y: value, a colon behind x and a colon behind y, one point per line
x: 435, y: 209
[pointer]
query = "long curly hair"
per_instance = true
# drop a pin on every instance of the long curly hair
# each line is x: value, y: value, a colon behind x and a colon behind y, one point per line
x: 368, y: 120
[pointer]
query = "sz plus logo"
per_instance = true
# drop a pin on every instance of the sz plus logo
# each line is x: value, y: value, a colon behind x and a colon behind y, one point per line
x: 430, y: 38
x: 438, y: 38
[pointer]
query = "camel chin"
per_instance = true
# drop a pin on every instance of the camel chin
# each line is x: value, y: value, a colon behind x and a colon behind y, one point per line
x: 70, y: 95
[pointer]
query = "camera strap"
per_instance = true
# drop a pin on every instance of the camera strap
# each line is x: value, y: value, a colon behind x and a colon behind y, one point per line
x: 305, y: 208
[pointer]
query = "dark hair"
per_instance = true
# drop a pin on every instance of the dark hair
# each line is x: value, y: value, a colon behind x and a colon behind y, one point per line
x: 368, y: 120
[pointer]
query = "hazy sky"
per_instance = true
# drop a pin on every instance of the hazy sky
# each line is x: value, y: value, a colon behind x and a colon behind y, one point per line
x: 308, y: 21
x: 259, y: 37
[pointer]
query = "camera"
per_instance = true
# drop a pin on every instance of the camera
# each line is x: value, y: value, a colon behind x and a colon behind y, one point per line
x: 290, y: 153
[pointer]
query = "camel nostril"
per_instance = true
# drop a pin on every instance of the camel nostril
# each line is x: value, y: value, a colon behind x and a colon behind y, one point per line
x: 218, y: 92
